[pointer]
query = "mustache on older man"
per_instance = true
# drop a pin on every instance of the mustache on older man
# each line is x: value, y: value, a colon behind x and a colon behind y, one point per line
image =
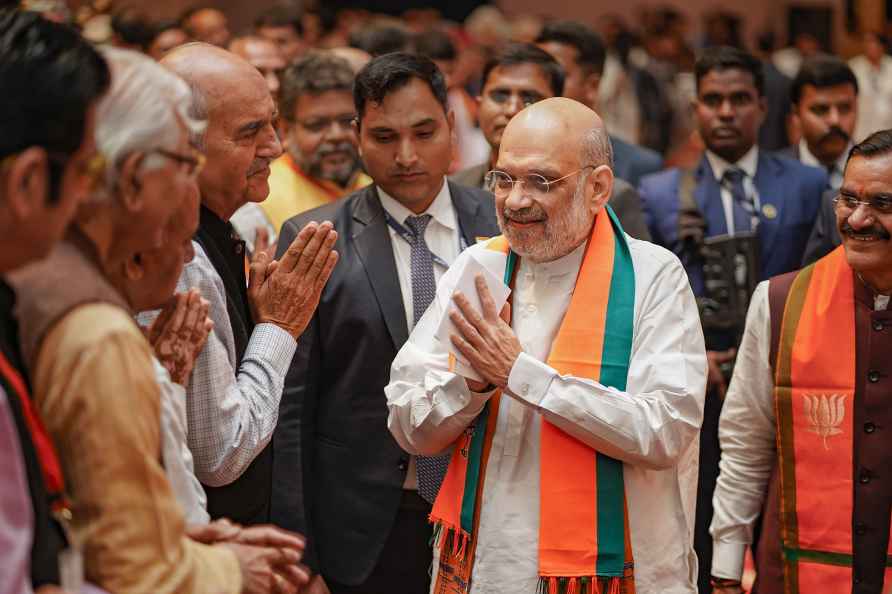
x: 258, y: 165
x: 876, y: 231
x: 525, y: 215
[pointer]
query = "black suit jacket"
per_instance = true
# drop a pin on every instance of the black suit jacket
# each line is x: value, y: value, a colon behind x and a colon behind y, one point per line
x: 337, y: 471
x: 825, y: 234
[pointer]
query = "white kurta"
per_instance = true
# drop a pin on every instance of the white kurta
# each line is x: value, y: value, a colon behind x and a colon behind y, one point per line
x: 653, y: 428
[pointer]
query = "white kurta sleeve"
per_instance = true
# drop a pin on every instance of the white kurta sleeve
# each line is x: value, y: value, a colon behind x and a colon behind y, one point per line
x: 747, y: 431
x: 429, y: 405
x: 655, y: 420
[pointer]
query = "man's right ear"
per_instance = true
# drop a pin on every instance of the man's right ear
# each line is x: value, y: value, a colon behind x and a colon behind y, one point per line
x: 26, y: 183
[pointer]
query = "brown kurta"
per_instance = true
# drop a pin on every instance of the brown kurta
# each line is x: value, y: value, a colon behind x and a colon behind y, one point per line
x: 871, y: 456
x: 94, y: 386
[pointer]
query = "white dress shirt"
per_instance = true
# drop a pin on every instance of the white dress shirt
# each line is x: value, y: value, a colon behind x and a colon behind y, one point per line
x: 441, y: 235
x: 747, y: 435
x: 175, y: 454
x: 653, y: 428
x: 835, y: 177
x: 748, y: 163
x: 443, y: 239
x: 232, y: 409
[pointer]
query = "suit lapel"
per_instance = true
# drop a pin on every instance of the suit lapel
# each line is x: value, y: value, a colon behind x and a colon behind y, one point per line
x: 708, y: 195
x: 372, y: 241
x: 768, y: 181
x: 467, y: 210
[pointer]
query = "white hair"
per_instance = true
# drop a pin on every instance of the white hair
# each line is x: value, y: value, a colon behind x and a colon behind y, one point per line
x: 143, y: 110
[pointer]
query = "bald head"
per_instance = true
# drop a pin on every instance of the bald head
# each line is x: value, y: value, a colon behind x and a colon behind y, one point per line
x: 208, y: 25
x: 240, y: 140
x: 564, y: 142
x: 213, y: 74
x: 562, y: 127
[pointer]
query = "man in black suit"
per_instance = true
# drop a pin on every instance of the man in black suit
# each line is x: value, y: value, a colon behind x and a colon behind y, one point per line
x: 338, y: 474
x: 581, y: 54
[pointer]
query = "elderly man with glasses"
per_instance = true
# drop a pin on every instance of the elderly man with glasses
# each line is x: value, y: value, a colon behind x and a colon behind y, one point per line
x: 572, y: 413
x: 91, y: 367
x: 803, y: 426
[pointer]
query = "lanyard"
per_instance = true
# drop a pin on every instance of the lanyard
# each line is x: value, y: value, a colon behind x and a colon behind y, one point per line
x: 46, y: 452
x: 409, y: 238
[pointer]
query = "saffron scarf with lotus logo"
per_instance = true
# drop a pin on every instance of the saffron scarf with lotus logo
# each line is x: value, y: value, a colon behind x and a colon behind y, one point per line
x: 584, y: 545
x: 814, y: 400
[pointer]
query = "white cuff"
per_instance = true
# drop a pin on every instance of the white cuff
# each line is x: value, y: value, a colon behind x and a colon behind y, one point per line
x: 727, y: 560
x: 530, y: 379
x: 273, y: 344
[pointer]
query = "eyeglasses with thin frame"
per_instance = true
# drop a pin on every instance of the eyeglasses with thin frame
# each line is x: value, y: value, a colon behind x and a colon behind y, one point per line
x: 501, y: 184
x: 881, y: 205
x: 194, y: 161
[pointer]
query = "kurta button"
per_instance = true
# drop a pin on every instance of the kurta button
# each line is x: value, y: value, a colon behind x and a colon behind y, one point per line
x: 878, y: 326
x: 864, y: 477
x: 873, y: 376
x: 403, y: 465
x: 860, y: 529
x: 238, y: 248
x: 869, y: 427
x: 525, y: 389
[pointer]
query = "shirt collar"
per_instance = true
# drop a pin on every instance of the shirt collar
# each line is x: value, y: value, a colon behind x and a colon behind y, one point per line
x: 440, y: 209
x: 807, y: 158
x: 747, y: 163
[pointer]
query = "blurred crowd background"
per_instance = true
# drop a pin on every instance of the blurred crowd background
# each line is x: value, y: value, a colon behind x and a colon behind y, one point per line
x: 647, y: 84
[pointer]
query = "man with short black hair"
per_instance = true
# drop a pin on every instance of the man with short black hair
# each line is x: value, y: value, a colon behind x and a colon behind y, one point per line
x: 825, y: 103
x: 736, y: 189
x: 582, y: 54
x: 48, y: 163
x: 339, y: 476
x: 804, y: 425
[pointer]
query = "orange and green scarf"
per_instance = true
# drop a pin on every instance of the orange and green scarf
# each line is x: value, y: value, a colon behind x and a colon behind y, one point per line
x: 584, y: 545
x: 814, y: 400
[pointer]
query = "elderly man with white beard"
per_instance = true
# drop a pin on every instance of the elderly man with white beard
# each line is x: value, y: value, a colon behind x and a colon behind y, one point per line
x: 574, y: 451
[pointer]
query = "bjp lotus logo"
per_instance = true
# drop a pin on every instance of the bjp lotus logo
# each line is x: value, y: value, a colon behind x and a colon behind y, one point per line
x: 826, y: 413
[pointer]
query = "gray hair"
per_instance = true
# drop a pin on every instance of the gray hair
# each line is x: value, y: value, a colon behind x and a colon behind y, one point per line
x: 143, y: 110
x: 596, y: 148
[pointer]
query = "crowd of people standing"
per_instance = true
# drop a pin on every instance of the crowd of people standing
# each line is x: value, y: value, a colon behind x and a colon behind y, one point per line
x: 352, y: 304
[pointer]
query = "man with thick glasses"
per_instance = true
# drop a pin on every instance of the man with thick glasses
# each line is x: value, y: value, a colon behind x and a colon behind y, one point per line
x: 572, y: 414
x: 803, y: 428
x: 516, y: 77
x: 320, y: 163
x: 735, y: 190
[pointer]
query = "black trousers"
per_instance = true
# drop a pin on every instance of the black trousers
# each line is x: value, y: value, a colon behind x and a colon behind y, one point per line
x: 404, y: 564
x: 709, y: 473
